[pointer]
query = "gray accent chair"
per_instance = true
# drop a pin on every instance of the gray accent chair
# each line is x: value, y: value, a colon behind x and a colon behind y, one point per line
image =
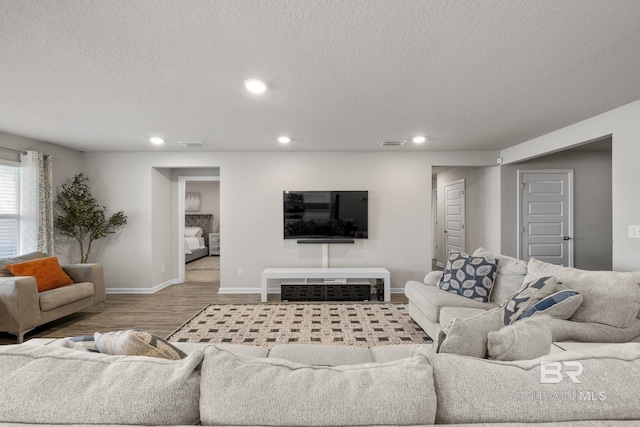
x: 22, y: 307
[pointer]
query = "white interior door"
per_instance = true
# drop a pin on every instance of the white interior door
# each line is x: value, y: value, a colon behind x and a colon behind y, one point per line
x: 546, y: 216
x: 454, y: 222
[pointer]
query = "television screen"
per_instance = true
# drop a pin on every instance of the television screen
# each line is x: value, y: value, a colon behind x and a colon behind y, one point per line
x: 326, y: 214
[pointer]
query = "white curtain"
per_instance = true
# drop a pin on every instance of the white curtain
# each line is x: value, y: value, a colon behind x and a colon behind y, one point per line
x: 36, y: 203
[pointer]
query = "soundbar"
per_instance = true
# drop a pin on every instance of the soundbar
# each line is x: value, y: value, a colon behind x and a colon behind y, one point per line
x: 320, y: 241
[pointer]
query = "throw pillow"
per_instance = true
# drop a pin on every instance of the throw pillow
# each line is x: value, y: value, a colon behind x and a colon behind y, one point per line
x: 560, y: 305
x: 526, y: 339
x: 468, y: 337
x: 471, y: 277
x: 136, y: 343
x: 47, y: 272
x: 529, y: 295
x: 82, y: 343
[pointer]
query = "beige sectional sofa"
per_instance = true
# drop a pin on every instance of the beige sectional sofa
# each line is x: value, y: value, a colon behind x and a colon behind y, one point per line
x: 610, y: 311
x: 23, y: 308
x: 311, y: 385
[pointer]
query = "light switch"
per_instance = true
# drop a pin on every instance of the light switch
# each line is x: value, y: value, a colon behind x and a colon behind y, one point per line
x: 634, y: 231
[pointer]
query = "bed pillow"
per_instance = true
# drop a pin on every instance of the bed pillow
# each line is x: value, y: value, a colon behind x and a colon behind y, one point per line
x: 470, y: 277
x: 48, y: 273
x: 192, y: 232
x: 560, y: 305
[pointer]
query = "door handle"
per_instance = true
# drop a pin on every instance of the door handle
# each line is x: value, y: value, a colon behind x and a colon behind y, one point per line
x: 566, y: 238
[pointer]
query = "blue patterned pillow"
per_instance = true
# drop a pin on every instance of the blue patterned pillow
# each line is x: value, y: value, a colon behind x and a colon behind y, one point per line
x: 530, y: 294
x: 470, y: 277
x: 560, y: 305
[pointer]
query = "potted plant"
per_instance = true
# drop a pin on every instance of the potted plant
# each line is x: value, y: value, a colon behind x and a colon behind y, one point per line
x: 79, y: 215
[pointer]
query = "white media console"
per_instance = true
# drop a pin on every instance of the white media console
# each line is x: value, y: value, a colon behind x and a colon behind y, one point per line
x: 325, y: 273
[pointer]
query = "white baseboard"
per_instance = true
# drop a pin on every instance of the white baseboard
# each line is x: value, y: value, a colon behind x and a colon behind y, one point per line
x: 142, y: 291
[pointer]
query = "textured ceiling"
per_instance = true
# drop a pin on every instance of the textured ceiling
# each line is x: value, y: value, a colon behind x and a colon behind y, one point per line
x: 98, y: 75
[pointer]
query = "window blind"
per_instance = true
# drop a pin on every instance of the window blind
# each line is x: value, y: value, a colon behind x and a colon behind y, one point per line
x: 9, y: 210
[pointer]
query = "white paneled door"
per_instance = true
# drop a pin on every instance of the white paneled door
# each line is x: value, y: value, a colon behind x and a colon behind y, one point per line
x: 546, y: 216
x: 454, y: 227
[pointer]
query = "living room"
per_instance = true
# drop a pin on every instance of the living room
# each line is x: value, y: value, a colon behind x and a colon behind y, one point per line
x: 90, y: 83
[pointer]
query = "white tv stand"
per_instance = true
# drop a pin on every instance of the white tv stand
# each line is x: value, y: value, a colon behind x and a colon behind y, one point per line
x: 325, y: 273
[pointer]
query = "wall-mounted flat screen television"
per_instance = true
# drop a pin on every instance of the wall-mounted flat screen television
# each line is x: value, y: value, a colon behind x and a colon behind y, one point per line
x: 326, y: 215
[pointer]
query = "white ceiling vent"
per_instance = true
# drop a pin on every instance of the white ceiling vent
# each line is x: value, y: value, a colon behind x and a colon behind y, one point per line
x: 192, y: 144
x: 393, y: 143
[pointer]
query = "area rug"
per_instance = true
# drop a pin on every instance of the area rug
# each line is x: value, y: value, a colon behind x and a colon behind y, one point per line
x: 204, y: 263
x: 363, y: 324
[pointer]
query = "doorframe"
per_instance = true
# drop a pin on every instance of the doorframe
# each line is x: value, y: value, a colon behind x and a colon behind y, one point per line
x: 569, y: 173
x: 182, y: 186
x: 463, y: 237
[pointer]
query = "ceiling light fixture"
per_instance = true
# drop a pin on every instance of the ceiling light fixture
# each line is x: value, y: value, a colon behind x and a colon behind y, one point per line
x: 419, y: 139
x: 255, y: 86
x: 284, y: 140
x: 156, y: 141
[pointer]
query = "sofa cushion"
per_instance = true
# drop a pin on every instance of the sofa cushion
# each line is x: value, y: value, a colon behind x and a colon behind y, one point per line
x: 431, y: 299
x: 468, y: 337
x: 236, y: 390
x: 132, y: 342
x: 608, y: 388
x: 530, y: 294
x: 55, y: 385
x: 561, y: 305
x: 449, y: 314
x: 609, y: 297
x: 47, y: 272
x: 471, y: 277
x: 526, y: 339
x: 50, y: 300
x: 567, y: 330
x: 510, y: 275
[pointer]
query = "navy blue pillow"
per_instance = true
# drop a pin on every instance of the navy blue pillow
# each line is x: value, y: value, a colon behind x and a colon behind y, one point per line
x: 560, y: 305
x: 530, y: 293
x: 470, y: 277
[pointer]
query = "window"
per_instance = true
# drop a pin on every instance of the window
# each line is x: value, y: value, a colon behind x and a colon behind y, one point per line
x: 9, y: 210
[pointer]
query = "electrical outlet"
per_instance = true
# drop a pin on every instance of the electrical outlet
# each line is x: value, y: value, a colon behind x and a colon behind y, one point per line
x: 162, y: 268
x: 240, y: 272
x: 634, y: 231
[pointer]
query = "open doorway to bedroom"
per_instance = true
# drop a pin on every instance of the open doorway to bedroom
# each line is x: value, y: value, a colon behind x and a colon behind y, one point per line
x: 199, y: 225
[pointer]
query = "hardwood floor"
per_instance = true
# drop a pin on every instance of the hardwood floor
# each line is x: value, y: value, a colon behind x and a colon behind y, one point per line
x: 160, y: 313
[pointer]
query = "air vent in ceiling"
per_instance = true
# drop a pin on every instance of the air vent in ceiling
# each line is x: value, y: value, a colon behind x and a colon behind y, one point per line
x: 393, y: 143
x: 192, y: 144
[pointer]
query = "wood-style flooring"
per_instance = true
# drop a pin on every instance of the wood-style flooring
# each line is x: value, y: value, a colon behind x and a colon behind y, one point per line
x: 160, y: 313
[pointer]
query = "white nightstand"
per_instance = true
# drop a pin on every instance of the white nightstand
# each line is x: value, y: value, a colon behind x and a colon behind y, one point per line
x: 214, y: 244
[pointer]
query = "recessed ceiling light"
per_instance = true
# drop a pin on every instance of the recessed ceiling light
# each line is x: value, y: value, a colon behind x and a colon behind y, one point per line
x: 419, y: 139
x: 156, y: 141
x: 255, y: 86
x: 284, y: 140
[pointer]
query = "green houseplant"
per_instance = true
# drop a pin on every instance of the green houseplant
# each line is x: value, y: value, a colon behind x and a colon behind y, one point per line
x: 79, y: 216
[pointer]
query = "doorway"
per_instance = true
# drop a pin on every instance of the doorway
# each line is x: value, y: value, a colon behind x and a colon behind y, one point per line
x: 199, y: 214
x: 454, y: 218
x: 545, y: 218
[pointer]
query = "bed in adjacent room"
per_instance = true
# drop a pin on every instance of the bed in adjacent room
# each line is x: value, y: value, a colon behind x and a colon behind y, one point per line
x: 196, y: 236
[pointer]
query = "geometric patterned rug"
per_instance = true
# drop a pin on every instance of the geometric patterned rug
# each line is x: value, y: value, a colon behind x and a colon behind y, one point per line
x: 361, y: 324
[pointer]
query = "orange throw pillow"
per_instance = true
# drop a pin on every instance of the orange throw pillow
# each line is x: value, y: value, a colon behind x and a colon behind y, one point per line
x: 48, y: 273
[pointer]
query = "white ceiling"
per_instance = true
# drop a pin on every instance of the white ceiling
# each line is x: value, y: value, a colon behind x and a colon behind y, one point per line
x: 97, y: 75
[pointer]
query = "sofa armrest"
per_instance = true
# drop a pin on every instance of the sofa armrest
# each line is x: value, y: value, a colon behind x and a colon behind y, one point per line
x: 19, y: 304
x: 432, y: 277
x: 93, y: 273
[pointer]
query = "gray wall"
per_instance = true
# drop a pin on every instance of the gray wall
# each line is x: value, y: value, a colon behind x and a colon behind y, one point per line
x: 593, y: 247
